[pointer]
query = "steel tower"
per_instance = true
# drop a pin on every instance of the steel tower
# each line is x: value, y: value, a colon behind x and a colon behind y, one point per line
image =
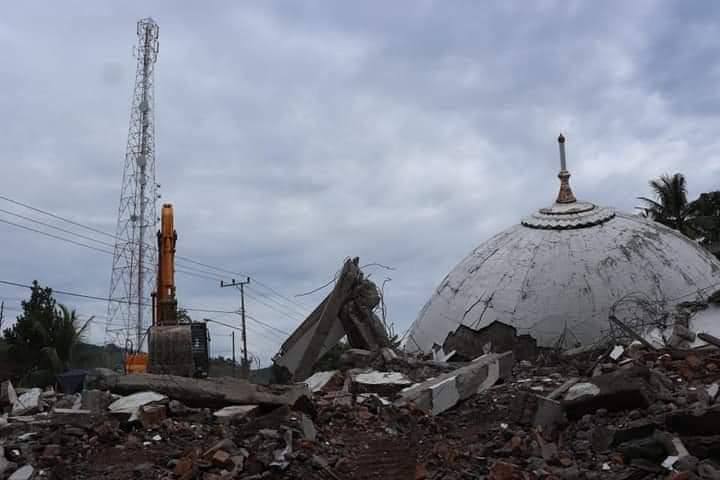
x: 135, y: 253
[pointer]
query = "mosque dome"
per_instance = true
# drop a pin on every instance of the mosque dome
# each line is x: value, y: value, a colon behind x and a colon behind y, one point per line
x: 561, y: 270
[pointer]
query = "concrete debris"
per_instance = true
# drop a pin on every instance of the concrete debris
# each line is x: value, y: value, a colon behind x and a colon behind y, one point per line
x: 347, y: 311
x: 712, y: 391
x: 439, y: 394
x: 205, y: 393
x: 497, y: 337
x: 23, y: 473
x: 150, y: 415
x: 95, y: 400
x: 8, y: 397
x: 131, y: 404
x: 617, y: 352
x: 318, y: 380
x: 363, y: 397
x: 4, y: 462
x: 624, y: 389
x: 388, y: 354
x: 489, y: 418
x: 357, y: 358
x: 28, y: 403
x: 382, y: 383
x: 235, y: 412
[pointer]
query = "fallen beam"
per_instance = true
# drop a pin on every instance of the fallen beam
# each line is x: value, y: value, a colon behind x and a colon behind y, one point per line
x: 215, y: 393
x: 445, y: 391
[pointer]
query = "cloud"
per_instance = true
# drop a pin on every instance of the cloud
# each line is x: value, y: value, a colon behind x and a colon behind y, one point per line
x: 292, y: 136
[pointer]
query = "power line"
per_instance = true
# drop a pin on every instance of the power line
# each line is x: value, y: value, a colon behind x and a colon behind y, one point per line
x: 30, y: 219
x: 105, y: 299
x: 80, y: 244
x: 181, y: 271
x: 114, y: 237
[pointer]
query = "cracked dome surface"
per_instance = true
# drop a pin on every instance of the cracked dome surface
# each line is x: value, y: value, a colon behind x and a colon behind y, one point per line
x: 541, y: 279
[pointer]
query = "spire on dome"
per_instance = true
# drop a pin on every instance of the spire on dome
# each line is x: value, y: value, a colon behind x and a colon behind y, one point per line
x: 565, y: 195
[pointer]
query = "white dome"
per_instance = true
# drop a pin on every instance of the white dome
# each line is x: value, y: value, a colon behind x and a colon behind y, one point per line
x: 565, y: 266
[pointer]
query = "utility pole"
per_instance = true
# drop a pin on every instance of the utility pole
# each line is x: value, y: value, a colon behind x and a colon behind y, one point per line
x: 2, y: 311
x: 241, y: 284
x: 233, y: 340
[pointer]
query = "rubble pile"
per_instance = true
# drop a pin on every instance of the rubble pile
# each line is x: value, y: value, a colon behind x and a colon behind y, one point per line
x: 627, y: 412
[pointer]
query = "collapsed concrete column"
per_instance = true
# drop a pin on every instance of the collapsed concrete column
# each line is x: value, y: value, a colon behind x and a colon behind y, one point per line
x: 441, y: 393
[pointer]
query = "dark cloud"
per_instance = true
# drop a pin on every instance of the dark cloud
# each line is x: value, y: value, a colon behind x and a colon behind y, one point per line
x: 291, y: 135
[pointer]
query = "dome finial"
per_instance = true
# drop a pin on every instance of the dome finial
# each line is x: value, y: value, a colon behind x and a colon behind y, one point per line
x: 565, y: 195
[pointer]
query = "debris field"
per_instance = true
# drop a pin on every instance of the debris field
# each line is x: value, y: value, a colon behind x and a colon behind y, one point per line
x: 629, y: 412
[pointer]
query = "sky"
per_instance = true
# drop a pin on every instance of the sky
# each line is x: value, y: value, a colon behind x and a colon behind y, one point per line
x: 291, y: 135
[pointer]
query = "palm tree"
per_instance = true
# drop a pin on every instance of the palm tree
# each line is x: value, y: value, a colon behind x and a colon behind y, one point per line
x: 65, y: 335
x: 671, y: 206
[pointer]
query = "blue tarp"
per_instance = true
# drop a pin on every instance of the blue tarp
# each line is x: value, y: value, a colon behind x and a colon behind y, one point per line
x: 72, y: 381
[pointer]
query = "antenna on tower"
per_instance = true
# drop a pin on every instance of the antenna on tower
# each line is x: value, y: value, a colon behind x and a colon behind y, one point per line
x: 135, y: 252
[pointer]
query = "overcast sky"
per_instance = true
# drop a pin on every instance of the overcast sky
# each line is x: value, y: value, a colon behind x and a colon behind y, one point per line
x: 291, y: 135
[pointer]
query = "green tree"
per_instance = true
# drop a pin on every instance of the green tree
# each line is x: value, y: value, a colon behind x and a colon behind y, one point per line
x: 670, y: 206
x: 705, y: 213
x: 46, y: 333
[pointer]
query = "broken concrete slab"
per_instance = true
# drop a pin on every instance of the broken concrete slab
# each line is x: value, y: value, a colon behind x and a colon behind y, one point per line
x: 8, y: 396
x: 234, y: 412
x: 357, y: 358
x: 625, y: 389
x: 712, y: 391
x: 73, y: 418
x: 560, y: 391
x: 28, y: 403
x: 442, y: 393
x: 388, y: 354
x: 382, y: 383
x: 23, y: 473
x: 131, y: 404
x: 318, y: 380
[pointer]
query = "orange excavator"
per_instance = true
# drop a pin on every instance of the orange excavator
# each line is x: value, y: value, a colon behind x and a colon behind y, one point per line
x: 176, y: 346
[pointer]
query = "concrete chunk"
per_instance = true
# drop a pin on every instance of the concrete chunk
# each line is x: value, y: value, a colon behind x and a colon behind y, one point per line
x: 234, y: 412
x: 23, y: 473
x: 318, y: 380
x: 96, y: 401
x: 28, y: 403
x: 624, y: 389
x: 8, y: 397
x: 442, y: 393
x: 382, y: 383
x: 132, y: 403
